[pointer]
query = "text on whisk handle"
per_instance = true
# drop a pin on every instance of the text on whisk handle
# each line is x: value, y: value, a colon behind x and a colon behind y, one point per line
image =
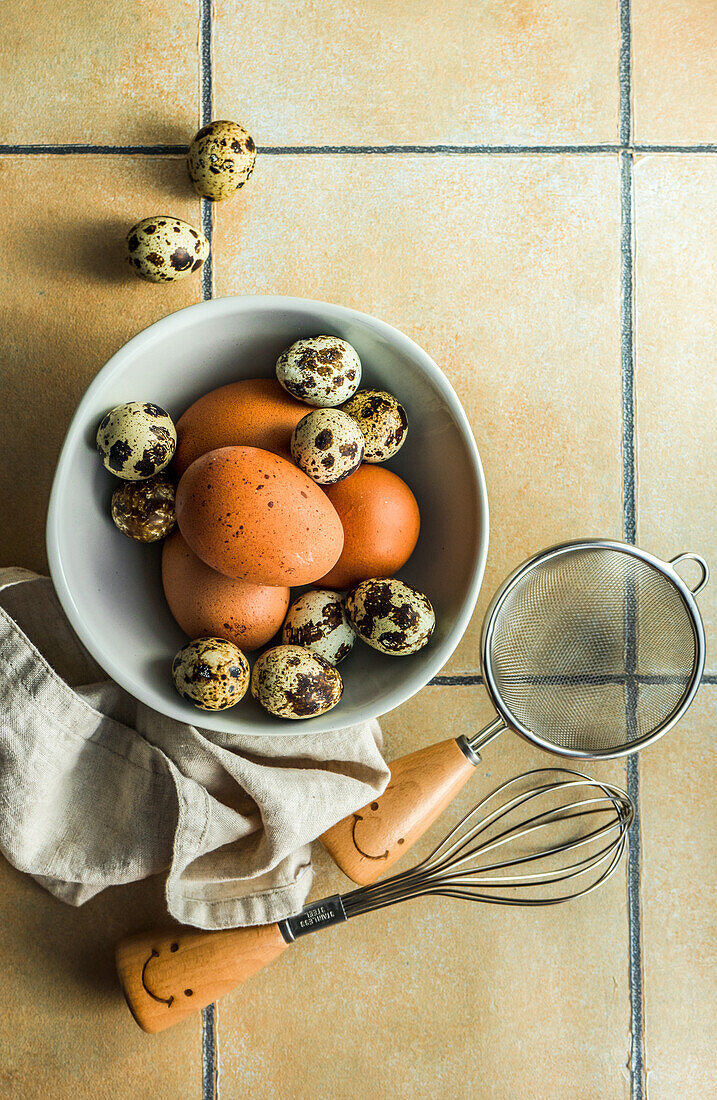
x: 312, y: 917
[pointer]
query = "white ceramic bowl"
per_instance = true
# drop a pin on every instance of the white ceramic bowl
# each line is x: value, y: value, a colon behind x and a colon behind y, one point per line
x: 111, y: 588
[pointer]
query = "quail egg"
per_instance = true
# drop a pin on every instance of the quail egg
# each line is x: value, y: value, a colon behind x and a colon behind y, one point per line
x: 144, y: 510
x: 136, y: 440
x: 320, y: 370
x: 391, y: 616
x: 383, y: 421
x: 292, y: 682
x: 327, y: 445
x: 318, y: 622
x: 211, y: 673
x: 162, y: 249
x: 221, y: 158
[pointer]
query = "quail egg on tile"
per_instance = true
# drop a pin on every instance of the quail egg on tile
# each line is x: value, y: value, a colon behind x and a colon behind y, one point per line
x: 136, y: 440
x: 391, y: 616
x: 221, y: 158
x: 327, y: 445
x: 382, y: 420
x: 317, y: 621
x: 292, y: 682
x: 320, y: 370
x: 144, y: 510
x: 212, y: 673
x: 162, y: 249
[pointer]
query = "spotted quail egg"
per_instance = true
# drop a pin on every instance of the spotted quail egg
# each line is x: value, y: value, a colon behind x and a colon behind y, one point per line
x: 136, y: 440
x: 211, y: 673
x: 327, y: 445
x: 318, y: 622
x: 292, y: 682
x: 221, y: 158
x: 391, y: 616
x: 144, y: 510
x: 382, y: 420
x: 162, y: 249
x: 320, y: 370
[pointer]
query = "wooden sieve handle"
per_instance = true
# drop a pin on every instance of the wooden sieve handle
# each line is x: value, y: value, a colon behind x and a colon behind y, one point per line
x: 367, y: 843
x: 167, y: 975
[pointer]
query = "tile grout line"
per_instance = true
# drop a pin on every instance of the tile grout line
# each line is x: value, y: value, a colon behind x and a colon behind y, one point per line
x: 627, y: 274
x: 210, y: 1053
x: 205, y: 116
x: 64, y: 149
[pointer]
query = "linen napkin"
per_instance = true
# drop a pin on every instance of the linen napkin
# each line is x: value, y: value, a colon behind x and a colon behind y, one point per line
x: 97, y: 789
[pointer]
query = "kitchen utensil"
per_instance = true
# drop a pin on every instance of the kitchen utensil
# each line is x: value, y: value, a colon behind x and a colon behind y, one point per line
x: 539, y: 839
x: 590, y: 649
x: 110, y: 588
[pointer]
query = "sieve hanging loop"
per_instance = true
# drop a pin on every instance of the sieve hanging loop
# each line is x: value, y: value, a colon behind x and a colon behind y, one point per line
x: 699, y: 561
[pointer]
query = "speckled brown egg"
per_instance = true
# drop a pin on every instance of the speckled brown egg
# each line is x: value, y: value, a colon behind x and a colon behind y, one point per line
x: 136, y: 440
x: 292, y: 682
x: 327, y: 445
x: 382, y: 420
x: 317, y: 620
x: 251, y: 514
x: 255, y: 412
x: 320, y: 370
x: 144, y: 510
x: 391, y: 616
x: 162, y: 249
x: 221, y: 158
x: 205, y: 602
x: 211, y: 673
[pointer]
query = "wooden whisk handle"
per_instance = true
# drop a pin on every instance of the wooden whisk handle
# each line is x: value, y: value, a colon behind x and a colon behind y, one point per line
x: 167, y: 975
x: 367, y: 843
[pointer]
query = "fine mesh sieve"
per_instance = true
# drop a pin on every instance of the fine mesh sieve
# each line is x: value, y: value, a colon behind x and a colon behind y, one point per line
x: 592, y: 649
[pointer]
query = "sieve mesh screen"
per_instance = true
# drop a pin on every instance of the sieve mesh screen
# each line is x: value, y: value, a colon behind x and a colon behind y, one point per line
x: 592, y: 649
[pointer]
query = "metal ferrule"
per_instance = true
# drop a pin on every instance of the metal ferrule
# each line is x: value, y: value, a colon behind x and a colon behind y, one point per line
x: 479, y: 740
x: 313, y: 917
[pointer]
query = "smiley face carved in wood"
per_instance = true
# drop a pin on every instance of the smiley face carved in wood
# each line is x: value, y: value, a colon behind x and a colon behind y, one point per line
x: 168, y: 1001
x: 369, y: 833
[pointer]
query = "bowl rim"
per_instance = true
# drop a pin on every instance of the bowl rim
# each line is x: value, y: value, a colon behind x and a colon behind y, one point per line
x: 223, y: 306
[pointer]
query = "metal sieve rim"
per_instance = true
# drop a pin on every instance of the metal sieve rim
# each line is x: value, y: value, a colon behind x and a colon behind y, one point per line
x: 668, y: 571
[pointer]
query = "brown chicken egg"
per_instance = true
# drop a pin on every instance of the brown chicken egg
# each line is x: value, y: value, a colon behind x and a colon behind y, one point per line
x: 205, y: 602
x: 251, y: 514
x: 381, y: 521
x: 256, y: 412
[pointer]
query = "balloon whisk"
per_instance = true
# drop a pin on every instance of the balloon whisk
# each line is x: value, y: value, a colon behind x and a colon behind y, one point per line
x: 542, y: 838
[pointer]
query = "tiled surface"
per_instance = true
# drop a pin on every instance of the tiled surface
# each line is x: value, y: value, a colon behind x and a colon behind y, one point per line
x: 674, y: 72
x: 68, y: 303
x: 66, y: 1033
x: 513, y: 272
x: 679, y: 884
x: 105, y: 73
x: 454, y: 72
x: 429, y: 998
x: 676, y: 378
x: 505, y: 270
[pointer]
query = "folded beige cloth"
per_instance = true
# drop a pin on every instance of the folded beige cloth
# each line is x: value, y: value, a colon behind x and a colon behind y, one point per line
x: 96, y: 789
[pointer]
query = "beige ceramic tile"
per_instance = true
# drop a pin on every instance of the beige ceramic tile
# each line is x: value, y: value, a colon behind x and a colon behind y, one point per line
x: 110, y: 74
x: 506, y: 269
x: 676, y: 227
x: 65, y: 1031
x: 68, y: 302
x: 679, y: 921
x: 439, y: 997
x: 388, y: 71
x: 674, y: 78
